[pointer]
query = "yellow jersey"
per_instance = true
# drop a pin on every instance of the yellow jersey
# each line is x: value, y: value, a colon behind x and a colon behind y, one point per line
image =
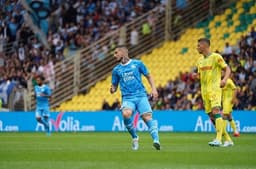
x: 228, y: 90
x: 209, y: 69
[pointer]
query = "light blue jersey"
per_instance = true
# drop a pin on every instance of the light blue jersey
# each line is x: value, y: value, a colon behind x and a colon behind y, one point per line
x: 134, y: 98
x: 41, y: 101
x: 129, y: 77
x: 43, y: 106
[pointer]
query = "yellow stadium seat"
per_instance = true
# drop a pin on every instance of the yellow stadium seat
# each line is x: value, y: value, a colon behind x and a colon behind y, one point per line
x: 166, y: 62
x: 228, y: 11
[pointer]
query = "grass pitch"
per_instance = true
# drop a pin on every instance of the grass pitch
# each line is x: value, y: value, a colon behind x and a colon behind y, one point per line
x: 113, y: 151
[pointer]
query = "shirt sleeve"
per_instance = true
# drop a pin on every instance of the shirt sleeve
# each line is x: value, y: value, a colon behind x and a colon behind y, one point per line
x: 115, y: 78
x: 48, y: 91
x: 232, y: 84
x: 220, y: 61
x: 143, y: 69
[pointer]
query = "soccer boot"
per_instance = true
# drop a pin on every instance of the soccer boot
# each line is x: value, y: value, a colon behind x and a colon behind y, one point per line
x: 228, y: 144
x: 156, y: 145
x: 236, y: 134
x: 135, y: 143
x: 214, y: 143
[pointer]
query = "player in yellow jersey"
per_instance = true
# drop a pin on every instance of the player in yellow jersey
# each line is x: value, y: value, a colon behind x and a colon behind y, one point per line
x: 228, y: 100
x: 209, y: 72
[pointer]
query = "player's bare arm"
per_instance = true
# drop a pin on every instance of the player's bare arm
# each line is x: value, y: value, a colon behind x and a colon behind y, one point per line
x: 113, y: 89
x: 153, y: 87
x: 226, y: 76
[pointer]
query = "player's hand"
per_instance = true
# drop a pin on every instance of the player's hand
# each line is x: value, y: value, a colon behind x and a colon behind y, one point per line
x: 195, y: 76
x: 223, y: 82
x: 235, y: 101
x: 112, y: 89
x: 154, y: 94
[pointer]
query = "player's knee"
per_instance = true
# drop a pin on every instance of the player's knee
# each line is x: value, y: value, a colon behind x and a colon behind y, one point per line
x: 210, y: 115
x: 38, y: 119
x: 216, y: 110
x: 147, y: 116
x: 46, y: 117
x: 229, y: 117
x: 225, y: 116
x: 127, y: 113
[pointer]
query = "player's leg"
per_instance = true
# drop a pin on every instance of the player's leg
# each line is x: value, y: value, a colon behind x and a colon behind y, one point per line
x: 39, y: 116
x: 228, y: 141
x: 127, y: 110
x: 233, y: 125
x: 215, y: 102
x: 218, y: 127
x: 45, y: 119
x: 227, y: 109
x: 145, y: 111
x: 211, y: 117
x: 208, y: 110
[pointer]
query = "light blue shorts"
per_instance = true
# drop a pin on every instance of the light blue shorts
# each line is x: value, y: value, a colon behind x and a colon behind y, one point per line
x: 43, y: 112
x: 137, y: 104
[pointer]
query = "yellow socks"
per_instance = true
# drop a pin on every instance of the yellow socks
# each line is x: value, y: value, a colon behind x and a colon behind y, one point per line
x: 219, y: 128
x: 224, y: 131
x: 233, y: 125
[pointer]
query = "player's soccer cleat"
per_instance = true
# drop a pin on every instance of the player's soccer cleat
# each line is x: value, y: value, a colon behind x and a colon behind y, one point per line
x: 215, y: 143
x: 156, y: 145
x: 236, y: 134
x: 135, y: 143
x: 228, y: 144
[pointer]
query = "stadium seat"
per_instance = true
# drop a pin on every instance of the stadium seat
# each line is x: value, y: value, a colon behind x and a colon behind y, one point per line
x: 174, y: 57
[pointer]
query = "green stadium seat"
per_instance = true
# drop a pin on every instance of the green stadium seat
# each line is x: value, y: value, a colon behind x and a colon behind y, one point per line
x: 217, y: 24
x: 184, y: 50
x: 163, y: 62
x: 226, y: 35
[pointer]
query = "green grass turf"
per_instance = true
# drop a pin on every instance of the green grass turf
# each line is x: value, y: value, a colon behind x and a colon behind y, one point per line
x: 113, y: 151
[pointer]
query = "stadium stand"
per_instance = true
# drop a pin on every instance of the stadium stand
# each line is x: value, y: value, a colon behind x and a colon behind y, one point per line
x: 73, y: 25
x: 166, y: 63
x: 82, y: 82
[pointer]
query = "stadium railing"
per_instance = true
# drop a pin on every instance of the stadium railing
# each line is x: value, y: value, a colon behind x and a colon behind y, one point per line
x: 79, y: 73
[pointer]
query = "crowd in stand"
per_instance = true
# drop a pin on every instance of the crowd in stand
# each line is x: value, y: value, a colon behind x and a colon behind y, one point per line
x: 183, y: 93
x: 73, y: 24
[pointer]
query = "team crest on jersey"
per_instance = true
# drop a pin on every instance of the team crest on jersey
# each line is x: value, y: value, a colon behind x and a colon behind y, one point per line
x: 133, y: 66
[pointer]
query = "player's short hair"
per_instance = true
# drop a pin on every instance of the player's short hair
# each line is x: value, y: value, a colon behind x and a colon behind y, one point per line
x: 207, y: 41
x: 122, y: 47
x: 41, y: 77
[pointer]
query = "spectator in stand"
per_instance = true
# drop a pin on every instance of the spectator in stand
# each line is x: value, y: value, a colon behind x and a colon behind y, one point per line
x: 134, y: 37
x: 227, y: 49
x: 116, y: 105
x: 253, y: 33
x: 105, y: 105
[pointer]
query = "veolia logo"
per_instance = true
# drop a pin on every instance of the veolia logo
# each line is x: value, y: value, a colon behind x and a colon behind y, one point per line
x: 67, y: 124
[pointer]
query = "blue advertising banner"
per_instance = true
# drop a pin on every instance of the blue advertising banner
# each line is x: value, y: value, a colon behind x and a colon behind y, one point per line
x: 111, y: 121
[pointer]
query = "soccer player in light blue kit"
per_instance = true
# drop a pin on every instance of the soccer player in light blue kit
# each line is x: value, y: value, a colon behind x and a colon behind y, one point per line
x: 42, y: 94
x: 127, y: 74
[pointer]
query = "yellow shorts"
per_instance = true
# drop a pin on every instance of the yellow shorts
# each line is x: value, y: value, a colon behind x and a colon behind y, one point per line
x: 227, y: 107
x: 211, y: 100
